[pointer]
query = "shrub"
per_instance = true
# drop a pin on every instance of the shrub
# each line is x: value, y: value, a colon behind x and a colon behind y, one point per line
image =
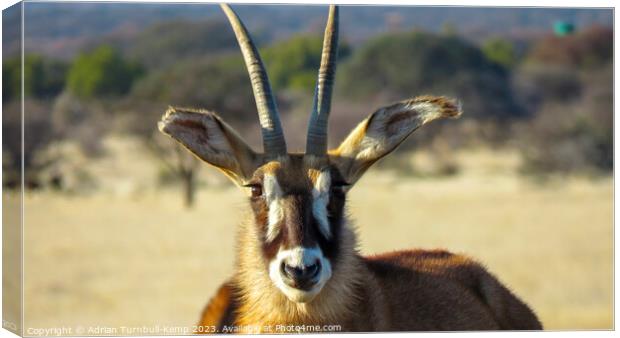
x: 294, y: 63
x: 402, y: 65
x: 43, y: 78
x: 500, y: 51
x: 102, y: 72
x: 575, y: 136
x: 588, y: 49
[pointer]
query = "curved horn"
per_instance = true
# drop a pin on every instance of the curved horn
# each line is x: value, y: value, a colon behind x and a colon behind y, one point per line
x: 316, y: 143
x: 271, y: 129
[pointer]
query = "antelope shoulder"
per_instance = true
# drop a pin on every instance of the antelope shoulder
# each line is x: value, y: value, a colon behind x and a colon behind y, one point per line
x: 439, y: 290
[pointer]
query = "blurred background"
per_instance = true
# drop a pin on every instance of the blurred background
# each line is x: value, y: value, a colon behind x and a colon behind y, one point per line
x: 124, y: 228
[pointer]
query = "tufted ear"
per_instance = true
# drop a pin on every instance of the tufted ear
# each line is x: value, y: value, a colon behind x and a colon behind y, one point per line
x: 208, y: 137
x: 385, y: 129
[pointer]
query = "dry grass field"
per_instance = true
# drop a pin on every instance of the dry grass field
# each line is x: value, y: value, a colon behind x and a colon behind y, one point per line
x: 141, y: 259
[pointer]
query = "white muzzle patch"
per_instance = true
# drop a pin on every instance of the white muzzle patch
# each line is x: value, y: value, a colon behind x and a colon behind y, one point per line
x: 298, y: 257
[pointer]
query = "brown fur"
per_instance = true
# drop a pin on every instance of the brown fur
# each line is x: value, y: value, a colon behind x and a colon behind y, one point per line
x: 220, y: 311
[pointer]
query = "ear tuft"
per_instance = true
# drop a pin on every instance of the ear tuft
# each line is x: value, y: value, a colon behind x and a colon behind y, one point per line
x: 434, y: 107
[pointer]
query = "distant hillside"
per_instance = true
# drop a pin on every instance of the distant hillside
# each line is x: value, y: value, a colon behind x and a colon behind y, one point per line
x: 62, y: 29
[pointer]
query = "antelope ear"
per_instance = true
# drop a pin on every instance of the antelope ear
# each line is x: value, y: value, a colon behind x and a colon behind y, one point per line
x: 208, y: 137
x: 385, y: 129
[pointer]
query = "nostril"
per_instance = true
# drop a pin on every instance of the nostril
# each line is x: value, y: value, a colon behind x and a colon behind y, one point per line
x: 293, y: 272
x: 312, y: 270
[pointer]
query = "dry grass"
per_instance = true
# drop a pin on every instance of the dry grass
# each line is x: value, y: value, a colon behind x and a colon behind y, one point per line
x: 141, y: 259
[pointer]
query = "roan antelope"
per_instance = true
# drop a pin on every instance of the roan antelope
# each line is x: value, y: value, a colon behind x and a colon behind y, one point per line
x: 297, y: 261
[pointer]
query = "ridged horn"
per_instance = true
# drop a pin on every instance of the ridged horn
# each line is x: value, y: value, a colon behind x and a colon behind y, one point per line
x: 316, y: 143
x: 271, y: 129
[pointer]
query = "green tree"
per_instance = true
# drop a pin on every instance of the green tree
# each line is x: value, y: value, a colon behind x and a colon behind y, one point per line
x: 102, y: 72
x: 11, y: 74
x: 397, y: 66
x: 43, y: 78
x: 500, y: 51
x: 294, y: 63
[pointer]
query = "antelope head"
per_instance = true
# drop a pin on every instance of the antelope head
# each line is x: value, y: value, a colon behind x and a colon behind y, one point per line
x: 298, y: 199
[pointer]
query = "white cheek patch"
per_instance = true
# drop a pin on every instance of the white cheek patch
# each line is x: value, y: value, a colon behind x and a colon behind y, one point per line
x: 320, y: 200
x: 273, y: 194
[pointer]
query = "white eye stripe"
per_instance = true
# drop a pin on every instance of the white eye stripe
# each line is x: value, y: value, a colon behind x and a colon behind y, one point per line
x: 320, y: 196
x: 272, y: 188
x: 275, y: 218
x: 273, y: 194
x: 323, y: 183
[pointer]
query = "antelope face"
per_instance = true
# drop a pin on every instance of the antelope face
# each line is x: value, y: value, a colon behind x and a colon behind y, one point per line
x: 298, y: 199
x: 298, y: 203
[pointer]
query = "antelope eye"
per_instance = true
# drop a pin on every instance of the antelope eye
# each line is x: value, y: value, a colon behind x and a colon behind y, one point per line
x: 256, y: 190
